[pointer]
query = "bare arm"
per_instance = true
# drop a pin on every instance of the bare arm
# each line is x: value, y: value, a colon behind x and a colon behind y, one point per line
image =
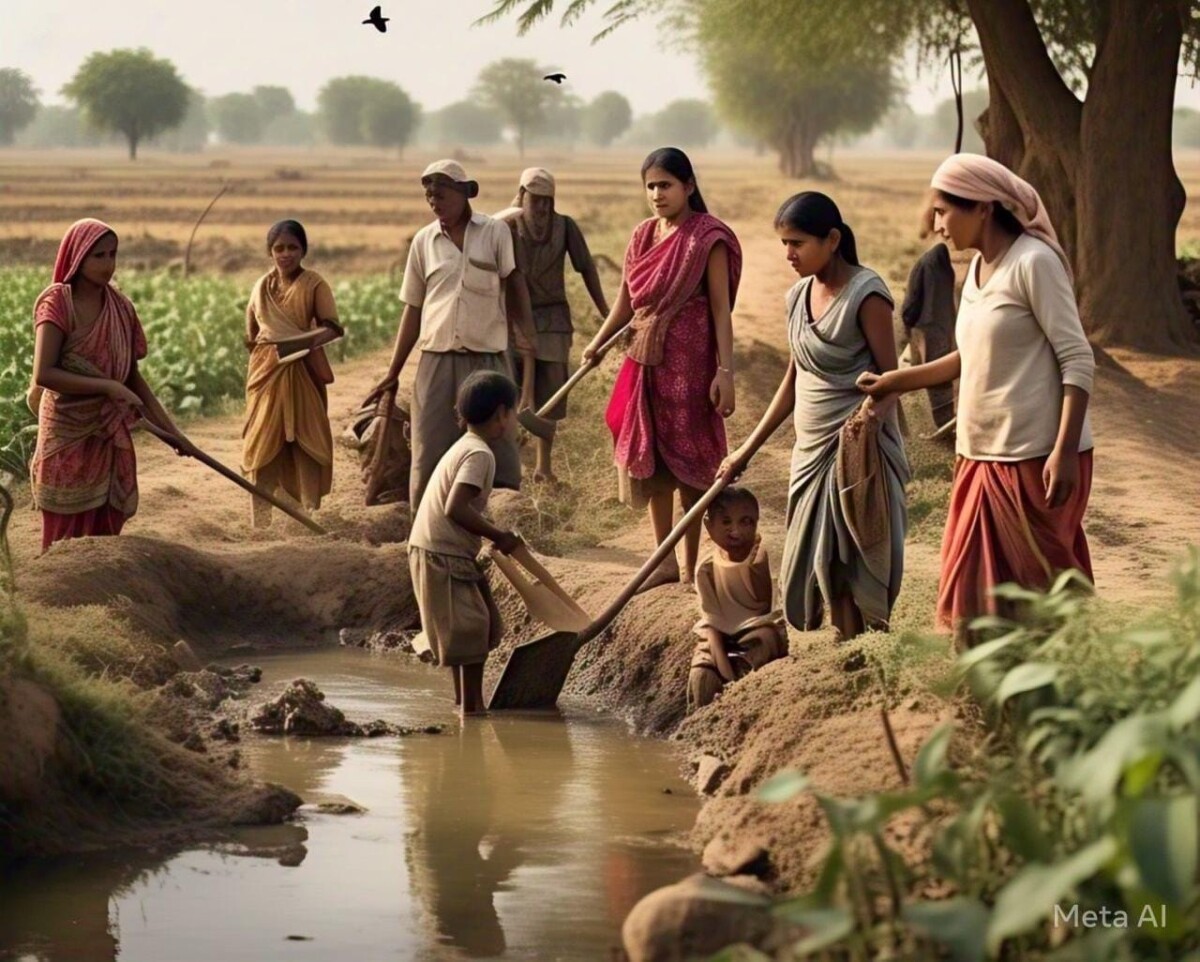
x: 251, y: 328
x: 152, y: 409
x: 942, y: 371
x: 716, y: 647
x: 519, y: 307
x: 47, y: 349
x: 406, y: 340
x: 875, y: 316
x: 591, y: 280
x: 620, y: 315
x: 721, y: 392
x: 781, y: 406
x: 1061, y: 473
x: 460, y: 510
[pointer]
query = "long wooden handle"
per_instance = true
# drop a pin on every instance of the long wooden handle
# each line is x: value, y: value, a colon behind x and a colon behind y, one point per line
x: 233, y: 476
x: 694, y: 514
x: 575, y: 378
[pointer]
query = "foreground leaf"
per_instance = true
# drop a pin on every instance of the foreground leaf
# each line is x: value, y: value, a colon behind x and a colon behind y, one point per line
x: 960, y: 924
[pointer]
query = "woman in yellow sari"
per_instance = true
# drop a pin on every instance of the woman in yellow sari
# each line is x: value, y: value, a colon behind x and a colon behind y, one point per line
x: 287, y: 442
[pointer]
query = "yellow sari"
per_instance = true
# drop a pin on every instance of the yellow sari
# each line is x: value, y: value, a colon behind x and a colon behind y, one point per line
x: 287, y: 441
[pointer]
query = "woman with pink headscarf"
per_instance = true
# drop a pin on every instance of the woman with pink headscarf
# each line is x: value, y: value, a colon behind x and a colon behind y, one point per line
x: 87, y: 392
x: 1025, y: 369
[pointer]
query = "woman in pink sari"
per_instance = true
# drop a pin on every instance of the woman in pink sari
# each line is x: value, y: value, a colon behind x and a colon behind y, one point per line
x: 675, y: 388
x: 87, y: 392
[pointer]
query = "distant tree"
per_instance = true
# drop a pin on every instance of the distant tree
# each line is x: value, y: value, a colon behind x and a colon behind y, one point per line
x: 786, y: 80
x: 191, y: 136
x: 389, y: 117
x: 562, y: 118
x: 902, y: 128
x: 18, y: 103
x: 339, y: 108
x: 686, y: 123
x: 466, y: 123
x: 274, y: 102
x: 606, y: 118
x: 297, y: 129
x: 945, y: 122
x: 514, y: 88
x: 56, y: 126
x: 1185, y: 128
x: 239, y: 118
x: 130, y: 92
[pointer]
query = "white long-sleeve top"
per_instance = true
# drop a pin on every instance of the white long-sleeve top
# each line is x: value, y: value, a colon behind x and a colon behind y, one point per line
x: 1020, y: 340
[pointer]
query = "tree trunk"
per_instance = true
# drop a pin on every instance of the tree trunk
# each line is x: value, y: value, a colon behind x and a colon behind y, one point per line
x: 133, y: 146
x: 1103, y: 167
x: 1129, y: 196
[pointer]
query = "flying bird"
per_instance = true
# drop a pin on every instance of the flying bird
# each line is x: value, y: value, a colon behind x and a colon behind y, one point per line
x: 556, y: 77
x: 378, y: 20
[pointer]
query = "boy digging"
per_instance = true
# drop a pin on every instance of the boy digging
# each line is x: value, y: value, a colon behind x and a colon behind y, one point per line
x: 741, y: 627
x: 459, y: 617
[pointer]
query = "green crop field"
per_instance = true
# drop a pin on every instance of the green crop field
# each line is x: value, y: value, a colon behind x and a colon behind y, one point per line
x: 194, y: 328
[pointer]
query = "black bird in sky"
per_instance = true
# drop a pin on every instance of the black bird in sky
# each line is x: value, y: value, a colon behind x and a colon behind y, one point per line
x: 378, y: 20
x: 556, y: 77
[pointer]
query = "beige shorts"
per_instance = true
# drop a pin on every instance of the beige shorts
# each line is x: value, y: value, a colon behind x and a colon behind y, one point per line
x: 459, y: 619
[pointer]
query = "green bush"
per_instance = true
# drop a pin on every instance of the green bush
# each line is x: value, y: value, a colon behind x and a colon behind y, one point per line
x: 1085, y: 798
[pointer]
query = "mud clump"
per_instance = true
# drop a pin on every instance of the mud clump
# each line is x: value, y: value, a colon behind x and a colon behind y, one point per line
x: 302, y: 710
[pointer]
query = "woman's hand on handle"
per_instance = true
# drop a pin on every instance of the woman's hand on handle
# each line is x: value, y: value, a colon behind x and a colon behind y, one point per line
x: 734, y: 464
x: 118, y: 393
x: 875, y: 385
x: 721, y: 393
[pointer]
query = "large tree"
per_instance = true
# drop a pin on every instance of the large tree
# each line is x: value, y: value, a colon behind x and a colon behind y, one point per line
x: 514, y: 88
x: 18, y: 103
x: 389, y: 117
x: 239, y: 118
x: 191, y: 135
x: 1081, y: 100
x: 686, y: 123
x: 130, y: 92
x: 606, y: 118
x: 788, y: 82
x: 275, y: 102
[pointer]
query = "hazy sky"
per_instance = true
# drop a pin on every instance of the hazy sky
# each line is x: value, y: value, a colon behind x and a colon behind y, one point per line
x: 430, y: 49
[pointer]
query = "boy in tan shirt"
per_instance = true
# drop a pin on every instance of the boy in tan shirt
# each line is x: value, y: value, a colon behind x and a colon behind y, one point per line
x: 740, y: 624
x: 458, y: 615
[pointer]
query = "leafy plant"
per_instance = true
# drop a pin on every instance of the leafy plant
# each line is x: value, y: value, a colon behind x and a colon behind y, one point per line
x: 1073, y: 835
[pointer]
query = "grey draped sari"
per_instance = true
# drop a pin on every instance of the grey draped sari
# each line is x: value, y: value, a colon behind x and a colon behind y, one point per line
x: 820, y: 559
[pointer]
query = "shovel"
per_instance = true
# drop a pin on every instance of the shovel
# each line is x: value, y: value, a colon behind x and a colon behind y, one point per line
x: 545, y: 598
x: 541, y: 426
x: 534, y: 675
x: 298, y: 345
x: 172, y: 440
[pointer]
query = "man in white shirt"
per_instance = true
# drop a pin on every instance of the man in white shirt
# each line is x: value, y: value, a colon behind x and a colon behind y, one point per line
x: 454, y: 312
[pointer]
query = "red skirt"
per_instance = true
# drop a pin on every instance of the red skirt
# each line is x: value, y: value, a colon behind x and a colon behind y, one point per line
x: 1000, y: 530
x: 85, y: 524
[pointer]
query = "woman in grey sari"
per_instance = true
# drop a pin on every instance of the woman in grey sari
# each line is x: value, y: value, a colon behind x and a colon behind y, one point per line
x: 846, y: 513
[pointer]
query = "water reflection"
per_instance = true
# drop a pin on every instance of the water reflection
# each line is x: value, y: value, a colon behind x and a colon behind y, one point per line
x: 513, y: 837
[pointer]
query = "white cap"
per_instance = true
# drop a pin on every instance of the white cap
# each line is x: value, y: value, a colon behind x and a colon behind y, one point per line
x: 452, y: 170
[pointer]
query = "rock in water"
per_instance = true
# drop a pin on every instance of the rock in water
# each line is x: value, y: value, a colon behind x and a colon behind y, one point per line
x: 300, y: 710
x: 696, y: 918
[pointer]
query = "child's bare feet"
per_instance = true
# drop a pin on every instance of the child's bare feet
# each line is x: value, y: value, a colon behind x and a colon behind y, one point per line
x: 545, y: 477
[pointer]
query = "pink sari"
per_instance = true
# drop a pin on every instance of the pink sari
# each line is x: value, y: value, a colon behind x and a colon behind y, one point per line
x: 84, y: 471
x: 660, y: 413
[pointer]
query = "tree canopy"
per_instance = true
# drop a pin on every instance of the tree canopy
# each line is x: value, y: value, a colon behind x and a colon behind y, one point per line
x: 130, y: 92
x: 239, y: 118
x: 18, y: 103
x: 366, y: 110
x: 606, y: 118
x: 514, y: 88
x: 466, y: 123
x: 1081, y: 97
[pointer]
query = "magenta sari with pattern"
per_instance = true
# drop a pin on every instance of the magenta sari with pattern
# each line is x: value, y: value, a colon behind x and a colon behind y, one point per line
x: 660, y: 413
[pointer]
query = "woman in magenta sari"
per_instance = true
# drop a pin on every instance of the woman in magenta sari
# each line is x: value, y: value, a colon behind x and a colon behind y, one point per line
x: 87, y: 392
x: 676, y: 386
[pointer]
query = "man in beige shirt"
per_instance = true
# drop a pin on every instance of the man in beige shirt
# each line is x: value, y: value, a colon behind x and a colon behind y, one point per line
x: 454, y: 312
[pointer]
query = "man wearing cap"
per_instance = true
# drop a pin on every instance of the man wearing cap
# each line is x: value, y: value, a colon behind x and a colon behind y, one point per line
x: 542, y: 240
x: 454, y: 312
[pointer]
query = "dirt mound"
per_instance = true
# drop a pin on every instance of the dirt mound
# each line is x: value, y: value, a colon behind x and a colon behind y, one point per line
x: 29, y: 717
x: 279, y: 593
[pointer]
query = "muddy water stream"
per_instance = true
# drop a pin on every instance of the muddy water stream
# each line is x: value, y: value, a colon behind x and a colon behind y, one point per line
x: 508, y: 838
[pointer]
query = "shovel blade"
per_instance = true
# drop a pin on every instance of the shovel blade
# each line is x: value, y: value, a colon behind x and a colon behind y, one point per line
x: 534, y: 675
x: 542, y: 428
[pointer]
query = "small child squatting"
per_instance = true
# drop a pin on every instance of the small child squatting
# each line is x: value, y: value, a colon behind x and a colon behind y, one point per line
x: 458, y: 614
x: 741, y: 627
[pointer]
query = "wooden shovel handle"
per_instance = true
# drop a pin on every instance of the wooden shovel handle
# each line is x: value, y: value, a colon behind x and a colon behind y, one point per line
x: 211, y: 462
x: 538, y: 570
x: 575, y: 378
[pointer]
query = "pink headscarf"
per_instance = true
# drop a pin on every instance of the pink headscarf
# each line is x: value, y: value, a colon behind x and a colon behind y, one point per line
x: 78, y: 241
x: 976, y: 177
